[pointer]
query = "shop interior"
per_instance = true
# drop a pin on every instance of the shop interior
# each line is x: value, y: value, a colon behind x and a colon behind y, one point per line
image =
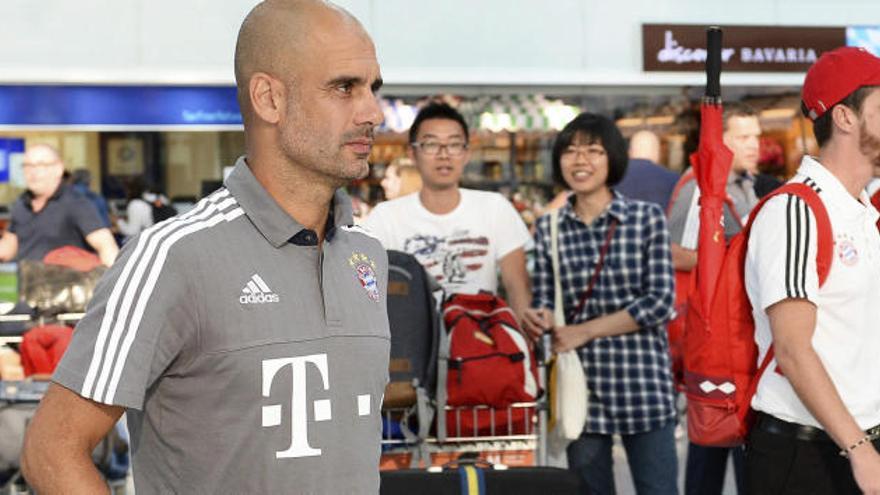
x: 512, y: 134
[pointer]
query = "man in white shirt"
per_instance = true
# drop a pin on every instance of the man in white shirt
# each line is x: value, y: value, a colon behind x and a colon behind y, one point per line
x: 461, y: 236
x: 819, y: 402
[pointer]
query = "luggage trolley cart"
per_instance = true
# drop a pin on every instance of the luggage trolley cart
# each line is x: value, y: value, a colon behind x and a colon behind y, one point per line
x: 18, y: 402
x: 511, y: 439
x: 516, y: 436
x: 423, y: 429
x: 508, y: 457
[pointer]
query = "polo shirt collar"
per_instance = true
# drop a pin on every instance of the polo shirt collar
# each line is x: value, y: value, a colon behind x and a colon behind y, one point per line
x: 831, y: 185
x: 28, y: 196
x: 615, y: 209
x: 735, y: 177
x: 269, y: 218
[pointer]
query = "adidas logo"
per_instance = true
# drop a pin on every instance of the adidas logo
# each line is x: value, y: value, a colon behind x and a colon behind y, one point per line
x: 257, y: 292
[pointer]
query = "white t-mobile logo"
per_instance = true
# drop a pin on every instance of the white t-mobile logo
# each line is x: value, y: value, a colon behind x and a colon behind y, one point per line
x: 299, y: 416
x: 299, y: 426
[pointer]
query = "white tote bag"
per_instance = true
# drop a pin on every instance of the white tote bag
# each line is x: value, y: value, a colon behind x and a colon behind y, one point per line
x: 569, y: 401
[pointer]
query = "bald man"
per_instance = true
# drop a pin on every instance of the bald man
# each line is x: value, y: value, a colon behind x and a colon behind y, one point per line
x: 51, y: 214
x: 645, y: 179
x: 247, y: 341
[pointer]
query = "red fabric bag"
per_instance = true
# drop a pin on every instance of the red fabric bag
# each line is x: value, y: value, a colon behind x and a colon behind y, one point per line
x: 73, y: 257
x: 683, y: 281
x: 490, y: 362
x: 721, y: 372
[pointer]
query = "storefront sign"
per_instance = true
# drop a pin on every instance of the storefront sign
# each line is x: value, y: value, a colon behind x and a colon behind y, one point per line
x: 118, y: 106
x: 681, y: 48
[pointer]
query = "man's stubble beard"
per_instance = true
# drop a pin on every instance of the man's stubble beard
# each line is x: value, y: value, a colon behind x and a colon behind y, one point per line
x: 308, y: 151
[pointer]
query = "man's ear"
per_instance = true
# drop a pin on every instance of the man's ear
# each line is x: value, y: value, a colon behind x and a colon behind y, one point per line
x: 267, y: 96
x: 467, y: 155
x: 59, y: 171
x: 844, y: 118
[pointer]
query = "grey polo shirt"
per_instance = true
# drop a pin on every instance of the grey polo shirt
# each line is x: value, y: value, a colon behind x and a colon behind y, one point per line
x: 249, y: 360
x: 684, y: 214
x: 66, y: 220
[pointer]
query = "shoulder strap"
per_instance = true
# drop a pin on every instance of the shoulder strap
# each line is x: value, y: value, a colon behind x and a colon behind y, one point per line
x: 687, y: 177
x: 875, y: 199
x: 684, y: 179
x: 609, y: 235
x: 558, y: 311
x: 823, y: 223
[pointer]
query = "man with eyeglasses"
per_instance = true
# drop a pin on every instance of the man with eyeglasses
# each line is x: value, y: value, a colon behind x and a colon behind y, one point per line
x: 247, y: 340
x: 461, y: 236
x: 50, y: 214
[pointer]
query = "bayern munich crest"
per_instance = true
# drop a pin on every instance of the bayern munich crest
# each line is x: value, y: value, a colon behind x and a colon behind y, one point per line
x: 365, y: 269
x: 846, y: 250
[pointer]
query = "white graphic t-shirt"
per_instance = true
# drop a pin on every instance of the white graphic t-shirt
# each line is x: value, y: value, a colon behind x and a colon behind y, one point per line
x: 460, y: 249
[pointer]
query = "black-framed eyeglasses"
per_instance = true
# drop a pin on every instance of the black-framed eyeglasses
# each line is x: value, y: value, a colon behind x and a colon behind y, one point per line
x: 589, y: 151
x: 434, y: 147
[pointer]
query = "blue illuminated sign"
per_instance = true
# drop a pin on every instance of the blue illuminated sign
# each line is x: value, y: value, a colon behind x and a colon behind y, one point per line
x: 10, y: 150
x: 118, y: 105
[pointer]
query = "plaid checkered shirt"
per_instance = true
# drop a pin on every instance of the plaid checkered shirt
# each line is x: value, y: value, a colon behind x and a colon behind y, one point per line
x: 629, y: 377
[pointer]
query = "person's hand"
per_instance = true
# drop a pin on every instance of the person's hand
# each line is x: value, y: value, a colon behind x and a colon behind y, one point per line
x: 537, y: 321
x: 570, y: 337
x: 865, y: 462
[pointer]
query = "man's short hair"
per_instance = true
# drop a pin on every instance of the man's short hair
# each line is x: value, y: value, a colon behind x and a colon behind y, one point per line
x: 594, y: 129
x: 437, y: 110
x: 823, y: 125
x: 737, y: 109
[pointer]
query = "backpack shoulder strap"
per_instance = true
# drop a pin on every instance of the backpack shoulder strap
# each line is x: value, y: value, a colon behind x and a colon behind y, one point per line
x: 558, y: 310
x: 686, y: 177
x: 875, y: 199
x: 825, y: 247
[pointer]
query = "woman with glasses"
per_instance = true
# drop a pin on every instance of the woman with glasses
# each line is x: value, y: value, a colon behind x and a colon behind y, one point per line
x: 616, y: 281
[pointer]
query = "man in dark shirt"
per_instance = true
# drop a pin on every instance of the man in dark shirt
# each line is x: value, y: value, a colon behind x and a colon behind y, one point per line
x: 645, y: 179
x: 50, y: 214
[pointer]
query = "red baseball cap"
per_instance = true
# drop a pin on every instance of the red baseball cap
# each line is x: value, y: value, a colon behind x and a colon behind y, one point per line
x: 836, y: 75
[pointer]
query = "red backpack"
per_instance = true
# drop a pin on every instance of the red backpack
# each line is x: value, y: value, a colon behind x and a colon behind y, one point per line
x: 720, y: 355
x: 675, y: 328
x: 489, y: 364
